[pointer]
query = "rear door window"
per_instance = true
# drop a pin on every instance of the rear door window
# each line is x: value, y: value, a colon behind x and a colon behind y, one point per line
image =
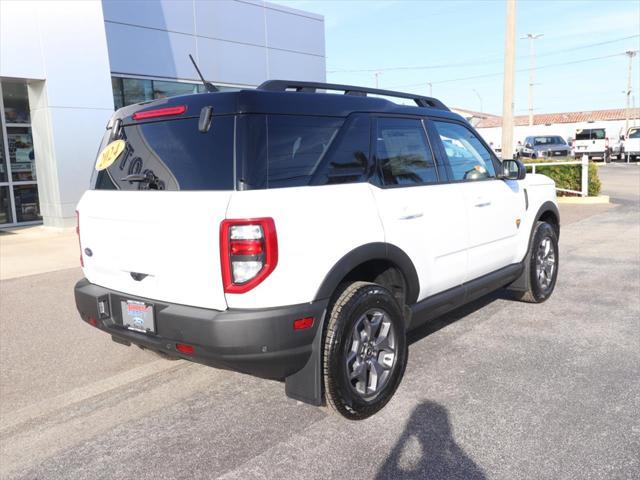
x: 174, y: 153
x: 403, y: 152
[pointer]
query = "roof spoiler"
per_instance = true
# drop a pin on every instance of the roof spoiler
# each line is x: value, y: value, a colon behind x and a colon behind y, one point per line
x: 312, y: 87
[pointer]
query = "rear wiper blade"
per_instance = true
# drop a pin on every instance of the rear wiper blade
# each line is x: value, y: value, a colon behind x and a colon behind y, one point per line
x: 137, y: 177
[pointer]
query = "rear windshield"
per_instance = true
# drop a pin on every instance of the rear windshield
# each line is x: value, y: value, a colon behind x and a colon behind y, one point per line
x: 548, y: 141
x: 172, y: 155
x: 271, y: 151
x: 590, y: 134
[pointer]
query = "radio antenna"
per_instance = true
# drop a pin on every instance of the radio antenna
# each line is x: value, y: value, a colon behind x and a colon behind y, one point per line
x: 209, y: 86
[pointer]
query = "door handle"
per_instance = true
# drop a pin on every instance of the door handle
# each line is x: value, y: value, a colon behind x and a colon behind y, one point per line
x: 484, y: 203
x: 411, y: 216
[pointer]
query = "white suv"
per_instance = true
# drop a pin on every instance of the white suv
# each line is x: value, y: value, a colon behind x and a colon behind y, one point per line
x: 299, y: 235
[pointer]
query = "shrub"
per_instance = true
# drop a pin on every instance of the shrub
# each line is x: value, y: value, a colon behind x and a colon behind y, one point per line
x: 568, y: 176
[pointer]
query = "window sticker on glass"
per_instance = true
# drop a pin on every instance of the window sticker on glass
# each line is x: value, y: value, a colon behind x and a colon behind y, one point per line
x: 109, y: 154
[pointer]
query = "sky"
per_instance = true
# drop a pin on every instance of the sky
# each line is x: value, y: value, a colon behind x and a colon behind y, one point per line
x: 457, y: 39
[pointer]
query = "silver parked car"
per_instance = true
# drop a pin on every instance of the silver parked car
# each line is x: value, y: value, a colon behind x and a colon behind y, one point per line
x: 545, y: 146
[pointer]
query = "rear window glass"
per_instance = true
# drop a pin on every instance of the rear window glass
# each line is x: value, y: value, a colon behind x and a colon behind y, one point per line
x: 282, y: 150
x: 172, y: 155
x: 591, y: 134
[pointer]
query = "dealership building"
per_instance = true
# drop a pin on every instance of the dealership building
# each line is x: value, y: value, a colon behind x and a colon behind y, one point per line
x: 65, y: 66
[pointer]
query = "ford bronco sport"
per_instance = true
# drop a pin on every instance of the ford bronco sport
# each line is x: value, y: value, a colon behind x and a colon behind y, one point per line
x: 298, y: 235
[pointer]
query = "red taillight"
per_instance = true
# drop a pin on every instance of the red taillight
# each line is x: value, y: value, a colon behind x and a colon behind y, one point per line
x: 248, y: 253
x: 246, y: 247
x: 186, y: 349
x: 606, y: 141
x: 160, y: 112
x: 303, y: 323
x: 78, y: 234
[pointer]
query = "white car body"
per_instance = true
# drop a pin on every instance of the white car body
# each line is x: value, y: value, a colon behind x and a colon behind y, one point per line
x: 453, y: 233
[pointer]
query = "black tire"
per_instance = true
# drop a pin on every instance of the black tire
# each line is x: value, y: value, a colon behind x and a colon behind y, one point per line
x: 538, y: 289
x: 360, y: 304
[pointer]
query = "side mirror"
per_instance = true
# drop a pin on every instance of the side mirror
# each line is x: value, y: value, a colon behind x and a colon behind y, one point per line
x: 513, y: 170
x: 528, y: 145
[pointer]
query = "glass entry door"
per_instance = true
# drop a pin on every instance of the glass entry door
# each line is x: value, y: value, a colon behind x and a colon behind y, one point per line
x: 19, y: 204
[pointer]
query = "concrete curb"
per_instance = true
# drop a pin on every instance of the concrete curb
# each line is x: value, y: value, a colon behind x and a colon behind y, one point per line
x: 600, y: 199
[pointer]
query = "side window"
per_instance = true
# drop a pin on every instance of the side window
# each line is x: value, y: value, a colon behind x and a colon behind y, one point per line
x: 348, y: 159
x: 468, y: 158
x: 276, y: 151
x: 403, y: 154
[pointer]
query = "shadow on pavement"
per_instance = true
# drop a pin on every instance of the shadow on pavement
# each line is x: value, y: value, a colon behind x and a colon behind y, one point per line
x: 426, y: 450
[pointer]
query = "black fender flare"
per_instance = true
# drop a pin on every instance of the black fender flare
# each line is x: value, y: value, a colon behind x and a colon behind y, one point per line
x: 548, y: 206
x: 521, y: 284
x: 366, y: 253
x: 306, y: 384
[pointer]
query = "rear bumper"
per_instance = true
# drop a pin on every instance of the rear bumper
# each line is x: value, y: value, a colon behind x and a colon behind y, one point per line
x: 259, y: 342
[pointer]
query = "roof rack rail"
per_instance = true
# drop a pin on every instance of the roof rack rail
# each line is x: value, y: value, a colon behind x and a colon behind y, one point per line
x: 311, y: 87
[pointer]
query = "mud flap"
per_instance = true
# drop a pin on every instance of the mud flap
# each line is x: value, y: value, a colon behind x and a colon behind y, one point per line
x: 306, y: 384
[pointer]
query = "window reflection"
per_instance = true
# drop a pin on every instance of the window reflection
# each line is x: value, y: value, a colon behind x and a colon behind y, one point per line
x: 5, y: 206
x: 16, y: 102
x: 3, y: 161
x: 21, y: 155
x: 27, y: 205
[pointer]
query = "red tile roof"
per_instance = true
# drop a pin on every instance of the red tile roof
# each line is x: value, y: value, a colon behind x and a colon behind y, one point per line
x: 566, y: 117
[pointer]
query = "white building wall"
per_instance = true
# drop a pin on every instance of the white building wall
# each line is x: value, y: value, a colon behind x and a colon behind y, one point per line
x: 67, y: 52
x: 60, y: 48
x: 236, y: 42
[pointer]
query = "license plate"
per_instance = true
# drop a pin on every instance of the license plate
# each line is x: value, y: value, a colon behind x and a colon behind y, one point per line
x: 581, y: 147
x: 138, y: 316
x: 557, y: 153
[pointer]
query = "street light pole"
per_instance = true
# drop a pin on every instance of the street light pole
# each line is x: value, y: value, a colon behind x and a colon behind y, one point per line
x: 430, y: 89
x: 531, y: 37
x: 509, y: 72
x: 479, y: 98
x: 630, y: 54
x: 377, y: 74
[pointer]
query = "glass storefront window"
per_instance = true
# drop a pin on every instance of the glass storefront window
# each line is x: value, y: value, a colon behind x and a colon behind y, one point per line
x: 171, y: 89
x: 27, y: 205
x: 136, y: 90
x: 21, y: 155
x: 16, y: 102
x: 5, y: 206
x: 118, y: 95
x: 18, y: 189
x: 3, y: 161
x: 127, y: 91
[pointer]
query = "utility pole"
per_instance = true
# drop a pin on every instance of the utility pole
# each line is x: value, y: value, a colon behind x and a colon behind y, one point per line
x: 630, y: 54
x: 430, y: 89
x: 509, y: 72
x: 479, y: 98
x: 377, y: 74
x: 532, y: 56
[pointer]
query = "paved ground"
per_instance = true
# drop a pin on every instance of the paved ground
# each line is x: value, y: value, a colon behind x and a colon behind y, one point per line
x: 497, y: 390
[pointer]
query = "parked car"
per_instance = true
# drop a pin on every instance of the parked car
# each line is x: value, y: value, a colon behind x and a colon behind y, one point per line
x: 545, y: 146
x: 592, y: 141
x: 298, y: 235
x: 628, y: 145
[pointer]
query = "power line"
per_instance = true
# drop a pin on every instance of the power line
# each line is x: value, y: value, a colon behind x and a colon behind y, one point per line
x: 497, y: 74
x: 476, y: 61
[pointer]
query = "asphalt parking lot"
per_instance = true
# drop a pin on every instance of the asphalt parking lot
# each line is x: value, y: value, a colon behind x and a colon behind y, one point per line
x: 496, y: 390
